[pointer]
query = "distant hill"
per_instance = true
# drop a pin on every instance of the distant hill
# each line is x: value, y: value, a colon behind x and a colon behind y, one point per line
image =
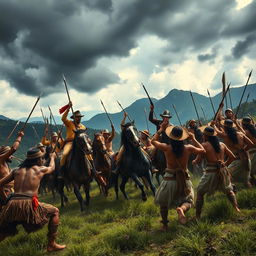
x: 4, y: 117
x: 182, y: 101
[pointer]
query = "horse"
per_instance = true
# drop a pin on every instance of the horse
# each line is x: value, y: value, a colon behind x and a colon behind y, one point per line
x: 134, y: 162
x: 103, y: 164
x: 78, y: 168
x: 52, y: 180
x: 159, y: 163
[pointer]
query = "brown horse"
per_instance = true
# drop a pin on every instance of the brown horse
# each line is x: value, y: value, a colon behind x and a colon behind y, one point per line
x: 103, y: 163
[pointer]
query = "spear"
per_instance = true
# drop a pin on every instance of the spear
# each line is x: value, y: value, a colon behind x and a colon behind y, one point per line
x: 35, y: 132
x: 220, y: 105
x: 224, y: 87
x: 176, y: 114
x: 145, y: 112
x: 53, y: 118
x: 59, y: 135
x: 106, y: 113
x: 12, y: 131
x: 123, y: 110
x: 248, y: 95
x: 211, y: 102
x: 229, y: 94
x: 237, y: 110
x: 66, y: 87
x: 203, y: 112
x: 43, y: 115
x: 150, y: 101
x: 194, y: 105
x: 24, y: 125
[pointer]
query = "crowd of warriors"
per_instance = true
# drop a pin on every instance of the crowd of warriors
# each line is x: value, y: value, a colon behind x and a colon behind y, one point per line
x: 223, y: 153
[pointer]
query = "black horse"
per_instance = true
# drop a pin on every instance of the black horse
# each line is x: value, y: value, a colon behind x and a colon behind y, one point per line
x: 78, y: 168
x: 134, y: 162
x: 52, y: 181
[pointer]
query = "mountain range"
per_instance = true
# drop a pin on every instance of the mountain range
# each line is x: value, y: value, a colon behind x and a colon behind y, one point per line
x: 139, y: 109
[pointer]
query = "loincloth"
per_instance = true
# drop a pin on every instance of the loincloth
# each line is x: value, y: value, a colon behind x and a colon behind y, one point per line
x: 21, y: 209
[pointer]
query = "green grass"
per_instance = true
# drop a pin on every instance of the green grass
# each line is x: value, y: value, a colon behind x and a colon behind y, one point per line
x: 112, y: 228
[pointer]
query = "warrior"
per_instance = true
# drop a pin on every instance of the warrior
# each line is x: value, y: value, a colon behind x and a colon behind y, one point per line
x: 55, y: 142
x: 146, y: 143
x: 5, y: 158
x: 108, y: 139
x: 41, y: 147
x: 165, y: 118
x: 71, y: 126
x: 193, y: 127
x: 216, y: 175
x: 176, y: 188
x: 23, y: 207
x: 238, y: 143
x: 250, y: 132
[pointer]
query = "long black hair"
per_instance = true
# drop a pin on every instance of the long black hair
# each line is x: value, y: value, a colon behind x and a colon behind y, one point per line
x: 232, y: 134
x: 214, y: 141
x: 27, y: 163
x: 251, y: 128
x: 177, y: 147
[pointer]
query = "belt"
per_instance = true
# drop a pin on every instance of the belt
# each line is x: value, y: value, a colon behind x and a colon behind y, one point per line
x: 173, y: 178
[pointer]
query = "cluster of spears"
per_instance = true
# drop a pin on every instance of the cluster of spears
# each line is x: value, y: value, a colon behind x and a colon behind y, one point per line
x: 170, y: 154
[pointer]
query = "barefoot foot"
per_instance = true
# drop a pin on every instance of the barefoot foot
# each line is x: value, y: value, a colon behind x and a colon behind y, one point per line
x: 181, y: 216
x: 55, y: 247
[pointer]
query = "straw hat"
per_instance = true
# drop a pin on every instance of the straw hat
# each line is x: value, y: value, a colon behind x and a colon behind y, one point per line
x: 176, y: 133
x: 246, y: 120
x: 208, y: 130
x: 191, y: 121
x: 229, y: 109
x: 54, y: 134
x: 39, y: 145
x: 77, y: 114
x: 145, y: 132
x: 4, y: 150
x: 34, y: 153
x: 106, y: 131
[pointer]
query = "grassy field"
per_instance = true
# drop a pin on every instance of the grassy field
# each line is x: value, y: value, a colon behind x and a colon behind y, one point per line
x: 111, y: 227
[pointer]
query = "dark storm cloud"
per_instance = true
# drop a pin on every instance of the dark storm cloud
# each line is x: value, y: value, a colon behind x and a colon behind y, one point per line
x: 40, y: 40
x: 208, y: 56
x: 243, y: 47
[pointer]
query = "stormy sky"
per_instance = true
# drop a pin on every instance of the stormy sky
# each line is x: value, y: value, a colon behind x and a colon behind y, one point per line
x: 106, y: 48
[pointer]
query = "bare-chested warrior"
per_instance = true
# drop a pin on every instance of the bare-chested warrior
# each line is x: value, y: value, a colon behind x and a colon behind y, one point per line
x: 216, y: 175
x: 23, y: 207
x: 5, y: 158
x: 238, y: 143
x: 176, y: 189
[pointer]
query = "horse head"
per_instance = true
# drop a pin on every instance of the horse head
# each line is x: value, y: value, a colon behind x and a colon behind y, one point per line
x: 130, y: 135
x: 82, y: 141
x: 99, y: 143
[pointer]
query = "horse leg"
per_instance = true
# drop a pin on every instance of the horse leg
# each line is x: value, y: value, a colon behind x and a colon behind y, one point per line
x: 87, y: 193
x: 122, y: 186
x: 116, y: 186
x: 60, y: 186
x: 150, y: 182
x: 140, y: 185
x: 78, y: 196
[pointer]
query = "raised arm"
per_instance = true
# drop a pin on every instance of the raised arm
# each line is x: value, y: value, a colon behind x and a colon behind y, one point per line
x: 112, y: 135
x: 198, y: 147
x: 14, y: 147
x: 64, y: 117
x: 51, y: 167
x: 155, y: 140
x: 151, y: 118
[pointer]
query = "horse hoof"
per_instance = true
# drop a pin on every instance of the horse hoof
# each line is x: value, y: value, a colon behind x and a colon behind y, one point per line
x: 144, y: 198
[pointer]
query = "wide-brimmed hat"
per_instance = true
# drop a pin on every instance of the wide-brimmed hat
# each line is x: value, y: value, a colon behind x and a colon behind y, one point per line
x: 54, y: 134
x: 208, y: 130
x: 229, y: 109
x: 39, y: 145
x: 4, y: 149
x: 176, y: 133
x: 191, y: 121
x: 166, y: 113
x: 145, y: 132
x: 34, y: 153
x: 246, y: 120
x: 106, y: 131
x: 77, y: 114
